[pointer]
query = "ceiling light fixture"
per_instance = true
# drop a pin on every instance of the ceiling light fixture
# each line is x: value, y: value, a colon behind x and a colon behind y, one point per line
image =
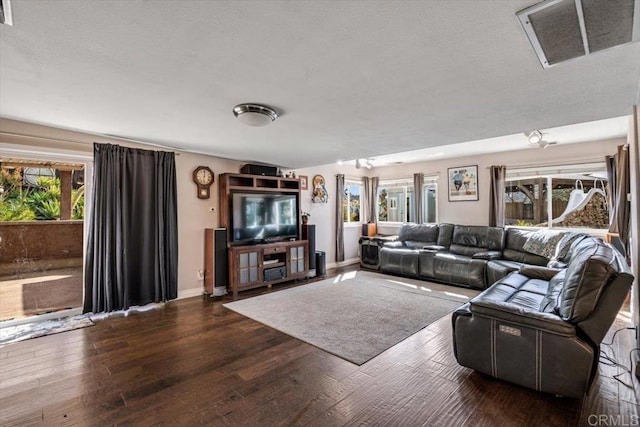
x: 534, y: 137
x: 364, y: 163
x: 255, y: 114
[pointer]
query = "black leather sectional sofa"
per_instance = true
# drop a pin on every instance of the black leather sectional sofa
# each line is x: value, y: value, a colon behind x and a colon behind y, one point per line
x: 472, y: 256
x: 550, y: 298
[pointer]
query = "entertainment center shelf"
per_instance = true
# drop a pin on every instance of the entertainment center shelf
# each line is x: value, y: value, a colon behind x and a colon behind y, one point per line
x: 264, y: 265
x: 261, y: 215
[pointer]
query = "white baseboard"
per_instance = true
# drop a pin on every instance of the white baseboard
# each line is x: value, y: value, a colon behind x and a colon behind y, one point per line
x: 343, y: 263
x: 188, y: 293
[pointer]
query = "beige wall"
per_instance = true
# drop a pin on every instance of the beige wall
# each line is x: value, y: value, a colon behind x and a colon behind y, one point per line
x: 194, y: 215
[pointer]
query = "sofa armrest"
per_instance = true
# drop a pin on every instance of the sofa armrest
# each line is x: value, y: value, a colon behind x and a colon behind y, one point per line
x: 394, y: 244
x: 538, y: 272
x: 523, y: 316
x: 435, y: 248
x: 487, y: 255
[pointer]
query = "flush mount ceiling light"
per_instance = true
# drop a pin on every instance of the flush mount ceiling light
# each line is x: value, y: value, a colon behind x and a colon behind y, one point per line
x: 255, y: 114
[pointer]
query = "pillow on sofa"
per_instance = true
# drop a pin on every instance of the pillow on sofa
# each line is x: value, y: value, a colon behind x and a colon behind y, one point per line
x: 543, y: 242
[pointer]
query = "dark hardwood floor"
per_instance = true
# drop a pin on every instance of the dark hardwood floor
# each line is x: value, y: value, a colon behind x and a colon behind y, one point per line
x: 193, y: 362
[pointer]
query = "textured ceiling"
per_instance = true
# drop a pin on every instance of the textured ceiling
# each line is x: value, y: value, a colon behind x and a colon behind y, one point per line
x: 351, y: 79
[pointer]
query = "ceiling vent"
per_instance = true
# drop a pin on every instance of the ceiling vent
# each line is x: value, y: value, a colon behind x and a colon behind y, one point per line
x: 5, y: 12
x: 560, y: 30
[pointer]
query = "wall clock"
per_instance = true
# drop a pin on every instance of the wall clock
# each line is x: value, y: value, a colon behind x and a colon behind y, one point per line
x: 203, y: 177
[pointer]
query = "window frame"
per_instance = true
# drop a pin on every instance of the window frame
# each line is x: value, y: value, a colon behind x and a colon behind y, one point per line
x: 549, y: 173
x: 351, y: 183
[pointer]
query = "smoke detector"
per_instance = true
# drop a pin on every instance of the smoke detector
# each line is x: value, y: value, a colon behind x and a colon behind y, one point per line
x: 560, y: 30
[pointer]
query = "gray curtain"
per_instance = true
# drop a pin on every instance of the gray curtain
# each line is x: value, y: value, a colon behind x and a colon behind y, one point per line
x: 132, y: 247
x: 496, y: 207
x: 373, y: 202
x: 339, y: 218
x: 620, y: 186
x: 418, y: 184
x: 365, y: 212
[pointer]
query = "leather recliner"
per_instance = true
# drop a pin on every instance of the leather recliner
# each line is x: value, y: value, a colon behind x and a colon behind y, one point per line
x: 541, y: 327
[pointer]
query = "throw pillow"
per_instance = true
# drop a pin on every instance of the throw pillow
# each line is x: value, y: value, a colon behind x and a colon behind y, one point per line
x: 543, y: 243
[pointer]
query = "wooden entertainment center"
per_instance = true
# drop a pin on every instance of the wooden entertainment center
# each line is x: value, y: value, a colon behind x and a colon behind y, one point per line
x: 265, y: 263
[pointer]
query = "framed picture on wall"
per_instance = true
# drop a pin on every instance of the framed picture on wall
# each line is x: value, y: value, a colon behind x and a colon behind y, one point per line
x: 463, y: 183
x: 304, y: 182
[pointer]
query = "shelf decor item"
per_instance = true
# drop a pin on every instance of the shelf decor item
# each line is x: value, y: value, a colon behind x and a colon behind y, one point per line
x: 320, y: 194
x: 305, y: 217
x: 463, y: 183
x: 304, y: 182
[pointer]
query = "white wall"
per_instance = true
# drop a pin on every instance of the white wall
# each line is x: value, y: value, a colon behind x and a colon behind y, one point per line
x: 322, y: 214
x: 477, y: 212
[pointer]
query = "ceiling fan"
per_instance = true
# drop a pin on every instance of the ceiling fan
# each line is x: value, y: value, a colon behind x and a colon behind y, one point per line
x: 537, y: 138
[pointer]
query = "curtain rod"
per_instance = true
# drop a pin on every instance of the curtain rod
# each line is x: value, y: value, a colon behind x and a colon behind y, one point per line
x: 88, y: 144
x: 546, y: 165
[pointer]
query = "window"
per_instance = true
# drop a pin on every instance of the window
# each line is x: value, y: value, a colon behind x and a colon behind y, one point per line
x: 395, y: 201
x: 570, y: 196
x: 351, y: 201
x: 430, y: 200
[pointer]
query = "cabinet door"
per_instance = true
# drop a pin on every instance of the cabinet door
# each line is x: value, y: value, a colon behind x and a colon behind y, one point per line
x: 296, y: 259
x: 301, y: 258
x: 248, y: 267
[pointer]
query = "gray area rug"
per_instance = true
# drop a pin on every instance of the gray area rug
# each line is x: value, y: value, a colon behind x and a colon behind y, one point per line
x: 356, y: 315
x: 26, y: 331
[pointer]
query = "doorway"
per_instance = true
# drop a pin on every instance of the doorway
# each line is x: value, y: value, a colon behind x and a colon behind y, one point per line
x: 42, y: 211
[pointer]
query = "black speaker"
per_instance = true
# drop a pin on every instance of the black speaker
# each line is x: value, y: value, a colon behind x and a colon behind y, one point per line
x: 259, y: 170
x: 221, y: 257
x: 309, y: 234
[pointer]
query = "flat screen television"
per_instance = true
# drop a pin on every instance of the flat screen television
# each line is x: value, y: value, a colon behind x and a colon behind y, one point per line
x: 263, y: 217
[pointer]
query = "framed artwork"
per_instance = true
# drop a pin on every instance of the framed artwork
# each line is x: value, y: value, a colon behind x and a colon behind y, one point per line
x: 463, y: 183
x: 304, y: 182
x: 320, y: 194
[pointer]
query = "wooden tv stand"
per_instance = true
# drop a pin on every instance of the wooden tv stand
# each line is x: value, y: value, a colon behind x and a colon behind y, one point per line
x: 252, y: 266
x: 263, y: 265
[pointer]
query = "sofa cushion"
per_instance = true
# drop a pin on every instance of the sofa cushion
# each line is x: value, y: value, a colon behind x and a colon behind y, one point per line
x: 459, y: 269
x: 550, y: 302
x: 399, y: 261
x: 588, y: 272
x: 514, y: 248
x: 445, y: 234
x: 426, y: 233
x: 470, y: 239
x: 516, y: 289
x: 497, y: 269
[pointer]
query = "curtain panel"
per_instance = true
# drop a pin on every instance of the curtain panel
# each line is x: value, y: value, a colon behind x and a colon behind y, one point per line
x: 373, y: 202
x: 339, y: 218
x: 366, y: 200
x: 132, y: 246
x: 418, y: 185
x: 620, y: 185
x: 496, y: 196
